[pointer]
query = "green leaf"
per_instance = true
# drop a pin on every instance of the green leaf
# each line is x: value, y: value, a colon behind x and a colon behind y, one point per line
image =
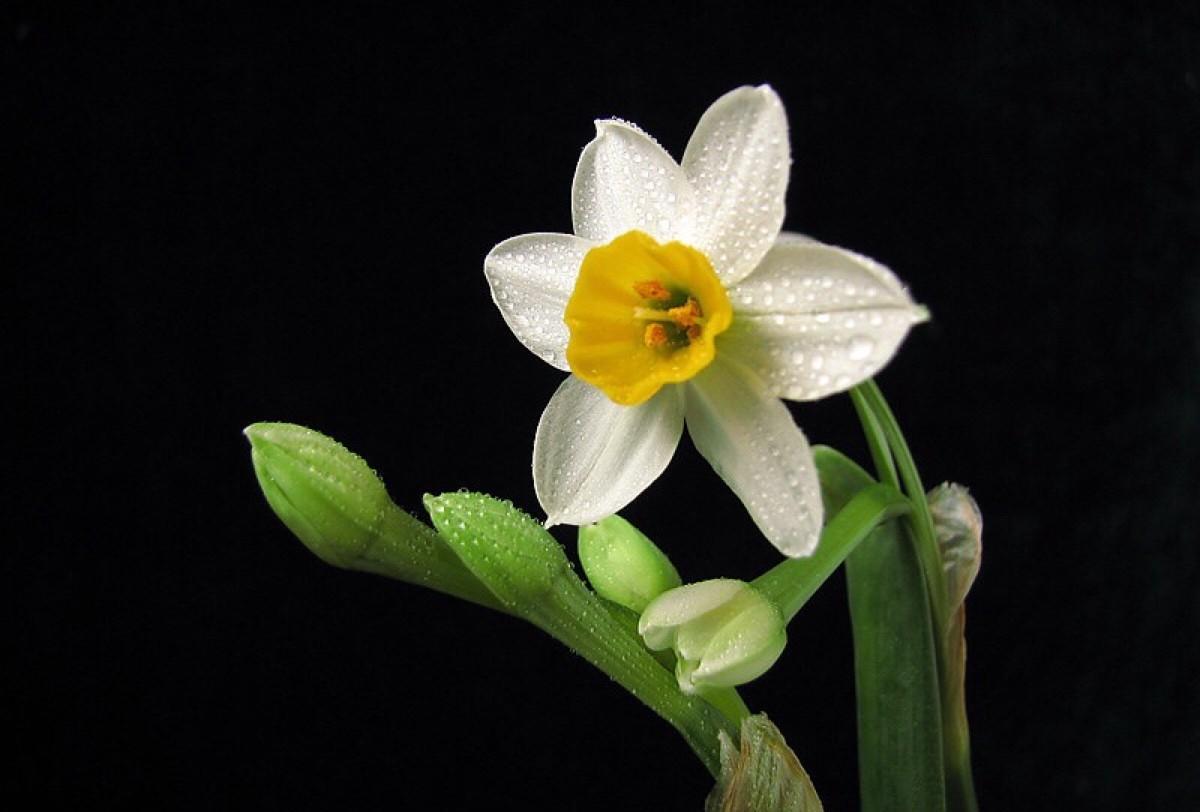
x: 895, y: 665
x: 762, y: 775
x: 334, y: 503
x: 889, y: 447
x: 895, y: 465
x: 529, y: 572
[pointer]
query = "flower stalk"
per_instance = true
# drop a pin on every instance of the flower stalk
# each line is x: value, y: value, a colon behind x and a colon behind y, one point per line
x: 791, y: 583
x: 529, y: 573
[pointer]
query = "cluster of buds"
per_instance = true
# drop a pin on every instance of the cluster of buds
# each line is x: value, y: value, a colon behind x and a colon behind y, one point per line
x: 723, y: 632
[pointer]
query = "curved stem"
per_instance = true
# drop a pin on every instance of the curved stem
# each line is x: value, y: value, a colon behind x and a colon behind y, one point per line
x: 790, y: 584
x: 728, y: 701
x: 528, y: 571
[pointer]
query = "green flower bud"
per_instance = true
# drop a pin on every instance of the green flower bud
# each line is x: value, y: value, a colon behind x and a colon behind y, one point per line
x: 724, y: 633
x: 518, y: 560
x: 329, y: 497
x: 623, y: 565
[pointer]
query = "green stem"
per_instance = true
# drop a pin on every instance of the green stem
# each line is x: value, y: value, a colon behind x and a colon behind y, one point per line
x: 529, y: 573
x: 407, y: 549
x: 728, y: 701
x: 573, y: 615
x: 790, y: 584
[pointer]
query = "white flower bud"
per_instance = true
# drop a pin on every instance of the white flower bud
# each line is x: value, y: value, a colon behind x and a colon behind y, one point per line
x: 724, y: 633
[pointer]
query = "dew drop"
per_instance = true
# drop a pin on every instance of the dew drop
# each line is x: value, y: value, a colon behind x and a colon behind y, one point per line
x: 861, y: 348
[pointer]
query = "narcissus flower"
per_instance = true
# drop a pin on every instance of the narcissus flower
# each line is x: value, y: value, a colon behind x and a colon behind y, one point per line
x: 678, y: 300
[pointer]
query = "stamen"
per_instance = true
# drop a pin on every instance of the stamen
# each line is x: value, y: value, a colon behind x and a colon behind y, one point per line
x: 655, y: 335
x: 686, y: 314
x: 643, y: 315
x: 652, y: 289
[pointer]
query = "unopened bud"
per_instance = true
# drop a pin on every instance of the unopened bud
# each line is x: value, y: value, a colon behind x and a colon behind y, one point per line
x: 724, y: 633
x: 624, y: 566
x: 958, y: 525
x: 518, y: 560
x: 329, y: 497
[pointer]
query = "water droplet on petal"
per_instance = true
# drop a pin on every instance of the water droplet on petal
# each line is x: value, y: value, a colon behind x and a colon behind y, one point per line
x: 861, y: 348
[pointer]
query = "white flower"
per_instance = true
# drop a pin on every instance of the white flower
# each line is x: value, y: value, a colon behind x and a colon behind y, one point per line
x: 678, y: 299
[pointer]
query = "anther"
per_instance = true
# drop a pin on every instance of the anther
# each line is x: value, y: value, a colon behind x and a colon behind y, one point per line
x: 687, y: 314
x: 655, y: 335
x: 652, y: 289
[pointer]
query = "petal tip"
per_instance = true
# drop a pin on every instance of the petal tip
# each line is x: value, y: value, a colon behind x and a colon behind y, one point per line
x: 769, y: 92
x: 604, y: 126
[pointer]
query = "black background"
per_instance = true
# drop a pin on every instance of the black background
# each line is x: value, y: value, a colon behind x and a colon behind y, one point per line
x: 272, y: 213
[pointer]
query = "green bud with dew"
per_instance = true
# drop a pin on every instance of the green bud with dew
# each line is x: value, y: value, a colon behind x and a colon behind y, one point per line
x: 338, y: 507
x: 623, y: 565
x: 329, y: 497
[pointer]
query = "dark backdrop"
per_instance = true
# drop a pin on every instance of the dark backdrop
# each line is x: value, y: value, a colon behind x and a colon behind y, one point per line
x: 265, y: 213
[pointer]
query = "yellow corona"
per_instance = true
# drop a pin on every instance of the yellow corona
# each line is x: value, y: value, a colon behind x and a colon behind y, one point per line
x: 642, y: 315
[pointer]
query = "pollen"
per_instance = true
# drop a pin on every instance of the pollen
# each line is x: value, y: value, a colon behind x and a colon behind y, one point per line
x: 644, y: 314
x: 655, y: 336
x: 686, y: 315
x: 652, y: 290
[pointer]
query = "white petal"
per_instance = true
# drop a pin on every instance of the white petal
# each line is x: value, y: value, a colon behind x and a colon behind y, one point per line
x: 626, y: 181
x: 744, y: 649
x: 738, y: 160
x: 755, y: 446
x: 592, y: 457
x: 532, y: 277
x: 793, y: 237
x: 813, y: 320
x: 663, y: 616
